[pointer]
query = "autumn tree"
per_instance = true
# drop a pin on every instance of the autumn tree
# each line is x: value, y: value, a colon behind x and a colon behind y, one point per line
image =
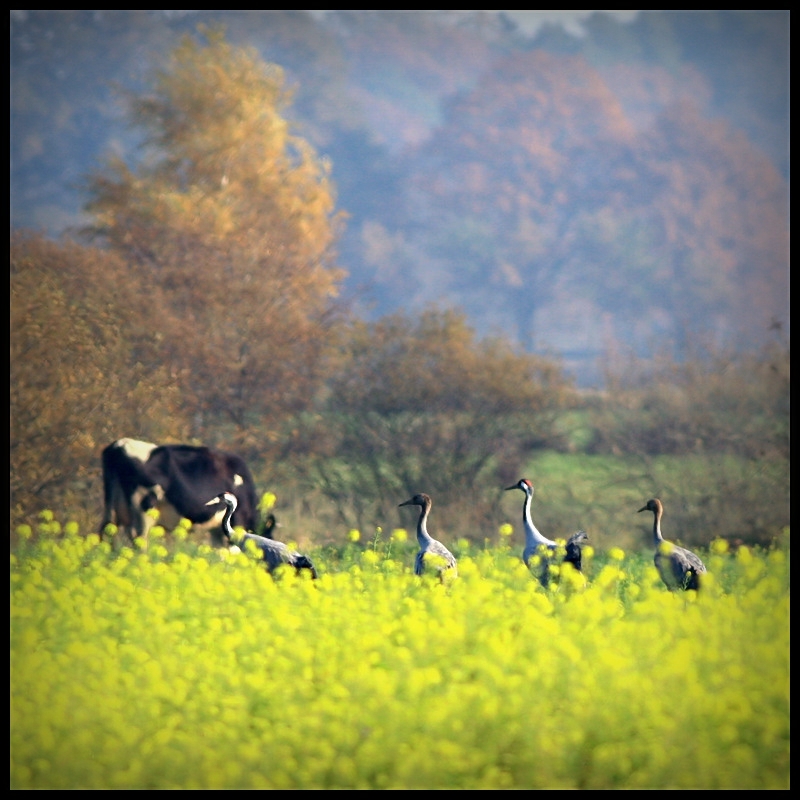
x: 711, y: 209
x: 230, y: 214
x: 495, y: 188
x: 537, y: 192
x: 84, y: 362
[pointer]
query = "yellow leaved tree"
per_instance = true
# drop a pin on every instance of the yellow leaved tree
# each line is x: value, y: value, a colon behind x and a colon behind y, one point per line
x: 229, y: 214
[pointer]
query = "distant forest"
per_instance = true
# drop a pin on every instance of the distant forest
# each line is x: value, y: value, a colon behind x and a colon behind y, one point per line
x: 623, y: 191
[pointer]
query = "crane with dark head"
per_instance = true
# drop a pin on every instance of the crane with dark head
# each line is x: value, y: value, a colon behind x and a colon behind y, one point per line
x: 678, y: 567
x: 432, y: 553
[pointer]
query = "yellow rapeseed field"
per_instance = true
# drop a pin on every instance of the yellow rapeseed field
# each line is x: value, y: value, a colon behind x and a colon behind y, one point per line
x: 167, y: 667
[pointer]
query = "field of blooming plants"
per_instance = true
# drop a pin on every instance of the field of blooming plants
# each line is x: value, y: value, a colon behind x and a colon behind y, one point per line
x: 174, y: 666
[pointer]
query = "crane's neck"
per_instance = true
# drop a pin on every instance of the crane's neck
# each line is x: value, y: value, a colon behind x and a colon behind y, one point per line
x: 423, y: 537
x: 657, y: 537
x: 227, y: 525
x: 533, y: 537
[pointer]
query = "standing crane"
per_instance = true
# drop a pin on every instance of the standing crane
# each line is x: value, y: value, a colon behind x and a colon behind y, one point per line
x: 537, y: 543
x: 432, y: 553
x: 678, y: 567
x: 272, y: 552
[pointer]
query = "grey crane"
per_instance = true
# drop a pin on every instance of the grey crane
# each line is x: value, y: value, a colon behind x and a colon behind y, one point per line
x: 273, y: 553
x: 534, y: 540
x: 431, y: 551
x: 678, y: 567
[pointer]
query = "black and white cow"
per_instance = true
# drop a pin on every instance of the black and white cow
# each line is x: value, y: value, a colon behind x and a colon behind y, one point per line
x: 178, y: 480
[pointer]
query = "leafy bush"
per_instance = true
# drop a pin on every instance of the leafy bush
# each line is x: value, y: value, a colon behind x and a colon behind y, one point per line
x: 713, y: 402
x: 418, y: 404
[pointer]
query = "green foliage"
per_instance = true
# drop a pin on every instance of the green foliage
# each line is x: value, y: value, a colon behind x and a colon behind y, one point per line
x: 180, y: 668
x: 705, y: 497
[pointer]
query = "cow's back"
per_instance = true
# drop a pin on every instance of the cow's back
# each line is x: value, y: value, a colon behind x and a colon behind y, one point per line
x: 191, y: 475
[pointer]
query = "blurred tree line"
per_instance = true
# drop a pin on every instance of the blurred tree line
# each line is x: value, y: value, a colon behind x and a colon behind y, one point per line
x: 203, y: 307
x: 626, y: 186
x: 537, y: 193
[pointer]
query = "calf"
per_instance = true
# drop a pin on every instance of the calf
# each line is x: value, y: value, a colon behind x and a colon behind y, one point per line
x: 177, y: 479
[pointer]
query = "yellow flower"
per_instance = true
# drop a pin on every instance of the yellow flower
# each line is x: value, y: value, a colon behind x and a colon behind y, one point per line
x: 267, y: 502
x: 506, y: 529
x: 399, y: 535
x: 24, y: 532
x: 617, y: 553
x: 719, y: 546
x: 354, y: 535
x: 665, y: 548
x: 370, y: 558
x: 180, y: 533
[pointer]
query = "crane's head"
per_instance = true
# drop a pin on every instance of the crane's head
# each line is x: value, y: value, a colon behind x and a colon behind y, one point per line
x: 653, y: 505
x: 524, y: 484
x: 227, y: 498
x: 421, y: 499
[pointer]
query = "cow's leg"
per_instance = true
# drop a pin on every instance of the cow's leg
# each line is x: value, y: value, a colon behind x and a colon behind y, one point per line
x: 121, y: 516
x: 142, y: 501
x: 154, y: 498
x: 116, y: 510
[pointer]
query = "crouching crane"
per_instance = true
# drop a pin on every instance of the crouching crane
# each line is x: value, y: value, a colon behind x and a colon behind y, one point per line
x: 272, y: 552
x: 678, y: 567
x: 537, y: 543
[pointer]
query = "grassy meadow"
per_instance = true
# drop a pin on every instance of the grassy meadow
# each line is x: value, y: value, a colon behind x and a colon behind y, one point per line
x: 169, y: 665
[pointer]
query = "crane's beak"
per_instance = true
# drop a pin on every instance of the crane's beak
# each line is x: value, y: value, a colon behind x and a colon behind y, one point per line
x: 213, y: 502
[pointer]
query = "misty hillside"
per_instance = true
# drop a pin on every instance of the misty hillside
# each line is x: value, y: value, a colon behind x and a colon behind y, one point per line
x: 625, y: 189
